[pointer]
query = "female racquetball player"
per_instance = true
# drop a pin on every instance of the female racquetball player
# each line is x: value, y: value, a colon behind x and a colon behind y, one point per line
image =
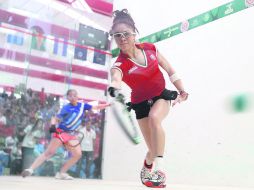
x: 138, y: 66
x: 68, y: 119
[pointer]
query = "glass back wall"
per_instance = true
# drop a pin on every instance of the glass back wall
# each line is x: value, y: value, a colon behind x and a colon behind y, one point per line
x: 40, y: 59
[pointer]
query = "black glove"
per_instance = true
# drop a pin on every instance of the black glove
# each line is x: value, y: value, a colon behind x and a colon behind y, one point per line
x: 52, y: 129
x: 129, y: 106
x: 112, y: 91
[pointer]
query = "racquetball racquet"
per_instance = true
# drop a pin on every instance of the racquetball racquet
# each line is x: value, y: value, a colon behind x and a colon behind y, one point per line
x: 125, y: 119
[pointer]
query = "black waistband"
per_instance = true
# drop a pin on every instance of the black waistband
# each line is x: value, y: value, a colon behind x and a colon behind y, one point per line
x: 166, y: 95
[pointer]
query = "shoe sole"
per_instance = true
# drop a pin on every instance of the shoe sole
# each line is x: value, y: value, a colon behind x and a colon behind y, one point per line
x: 154, y: 184
x: 63, y: 178
x: 25, y: 174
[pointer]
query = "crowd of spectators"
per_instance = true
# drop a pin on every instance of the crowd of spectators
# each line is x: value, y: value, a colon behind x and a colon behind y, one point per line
x: 24, y: 123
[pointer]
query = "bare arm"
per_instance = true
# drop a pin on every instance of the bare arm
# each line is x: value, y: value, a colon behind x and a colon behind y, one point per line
x: 54, y: 120
x: 170, y: 71
x: 116, y: 78
x: 177, y: 82
x: 100, y: 106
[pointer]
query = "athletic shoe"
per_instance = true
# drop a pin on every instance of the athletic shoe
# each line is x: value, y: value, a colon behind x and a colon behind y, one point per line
x: 145, y: 174
x: 27, y: 172
x: 156, y: 179
x: 63, y: 176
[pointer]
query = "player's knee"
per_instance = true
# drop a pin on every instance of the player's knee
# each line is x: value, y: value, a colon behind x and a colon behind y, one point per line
x: 49, y: 153
x: 154, y: 119
x: 77, y: 155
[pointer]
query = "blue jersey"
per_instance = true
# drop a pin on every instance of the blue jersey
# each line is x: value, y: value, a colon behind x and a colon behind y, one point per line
x: 71, y: 116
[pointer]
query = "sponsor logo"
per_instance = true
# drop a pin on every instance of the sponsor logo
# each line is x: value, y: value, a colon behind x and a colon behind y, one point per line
x: 152, y: 57
x: 249, y: 3
x: 117, y: 64
x: 132, y: 69
x: 185, y: 26
x: 169, y: 31
x: 229, y: 9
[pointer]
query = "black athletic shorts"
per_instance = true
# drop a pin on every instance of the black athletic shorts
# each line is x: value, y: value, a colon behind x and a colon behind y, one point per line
x: 142, y: 109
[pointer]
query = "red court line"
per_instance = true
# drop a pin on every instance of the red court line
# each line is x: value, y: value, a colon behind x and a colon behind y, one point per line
x: 59, y: 40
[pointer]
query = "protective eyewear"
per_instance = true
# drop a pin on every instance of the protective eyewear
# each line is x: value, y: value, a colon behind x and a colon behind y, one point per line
x: 119, y: 35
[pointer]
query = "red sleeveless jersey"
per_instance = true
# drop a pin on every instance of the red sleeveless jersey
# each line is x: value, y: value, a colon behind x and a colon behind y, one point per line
x: 146, y: 81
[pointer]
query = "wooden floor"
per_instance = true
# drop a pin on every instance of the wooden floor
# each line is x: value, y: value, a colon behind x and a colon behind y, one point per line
x: 49, y: 183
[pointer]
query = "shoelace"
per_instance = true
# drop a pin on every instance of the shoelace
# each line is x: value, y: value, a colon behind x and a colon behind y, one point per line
x: 145, y: 175
x: 155, y: 175
x: 146, y: 170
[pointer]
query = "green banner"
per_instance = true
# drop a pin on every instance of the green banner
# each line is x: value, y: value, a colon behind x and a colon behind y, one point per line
x: 199, y: 20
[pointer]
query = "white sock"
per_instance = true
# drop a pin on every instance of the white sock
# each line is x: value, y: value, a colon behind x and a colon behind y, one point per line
x: 159, y: 162
x: 148, y: 162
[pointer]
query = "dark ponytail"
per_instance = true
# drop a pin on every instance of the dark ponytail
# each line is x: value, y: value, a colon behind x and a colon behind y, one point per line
x: 123, y: 17
x: 69, y: 91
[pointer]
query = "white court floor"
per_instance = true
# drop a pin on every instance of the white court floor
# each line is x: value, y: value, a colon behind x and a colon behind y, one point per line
x: 49, y: 183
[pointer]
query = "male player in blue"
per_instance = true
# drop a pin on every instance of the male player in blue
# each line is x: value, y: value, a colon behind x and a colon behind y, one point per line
x: 68, y: 119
